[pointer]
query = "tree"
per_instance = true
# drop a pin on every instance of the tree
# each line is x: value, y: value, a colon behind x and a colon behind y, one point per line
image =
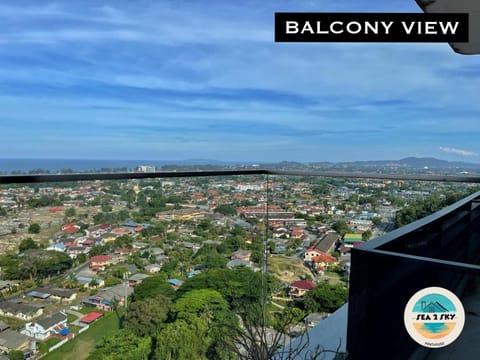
x: 152, y: 287
x: 209, y: 306
x: 147, y: 317
x: 341, y: 227
x: 366, y: 235
x: 82, y: 258
x: 241, y: 287
x: 199, y: 302
x: 123, y: 344
x: 226, y: 209
x: 70, y: 212
x: 171, y: 342
x: 271, y: 246
x: 325, y: 297
x: 15, y: 355
x: 26, y: 244
x: 34, y: 228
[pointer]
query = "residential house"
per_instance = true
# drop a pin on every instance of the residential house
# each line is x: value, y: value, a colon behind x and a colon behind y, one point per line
x: 58, y: 294
x: 176, y: 283
x: 87, y: 281
x: 74, y: 251
x: 297, y: 233
x: 108, y: 237
x: 106, y: 298
x: 57, y: 247
x: 350, y: 239
x: 241, y: 255
x: 153, y: 268
x: 91, y: 317
x: 323, y: 261
x: 137, y: 279
x: 299, y: 288
x: 20, y: 310
x: 47, y: 326
x: 328, y: 242
x: 13, y: 341
x: 99, y: 262
x: 281, y: 232
x: 70, y: 228
x: 311, y: 253
x: 123, y: 231
x: 239, y: 263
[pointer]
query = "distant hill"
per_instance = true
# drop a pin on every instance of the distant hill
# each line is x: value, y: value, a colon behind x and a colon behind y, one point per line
x: 82, y: 165
x: 412, y: 162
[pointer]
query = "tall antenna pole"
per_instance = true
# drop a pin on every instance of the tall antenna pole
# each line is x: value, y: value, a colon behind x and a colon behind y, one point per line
x: 265, y: 265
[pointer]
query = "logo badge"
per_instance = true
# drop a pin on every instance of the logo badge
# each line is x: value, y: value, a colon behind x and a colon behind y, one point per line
x: 434, y: 317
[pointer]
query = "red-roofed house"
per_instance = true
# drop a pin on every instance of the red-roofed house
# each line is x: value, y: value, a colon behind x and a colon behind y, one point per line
x: 297, y: 233
x: 91, y: 317
x: 71, y: 230
x: 300, y: 287
x: 69, y: 225
x: 99, y: 262
x: 323, y: 261
x: 311, y: 253
x: 121, y: 231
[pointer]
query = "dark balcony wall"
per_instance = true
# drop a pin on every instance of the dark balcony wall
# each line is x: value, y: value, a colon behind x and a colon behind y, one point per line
x: 439, y: 252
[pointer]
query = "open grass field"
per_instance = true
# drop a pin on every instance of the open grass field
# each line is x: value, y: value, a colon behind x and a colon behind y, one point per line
x: 80, y: 347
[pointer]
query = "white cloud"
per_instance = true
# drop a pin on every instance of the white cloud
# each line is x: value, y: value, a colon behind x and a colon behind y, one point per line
x: 458, y: 151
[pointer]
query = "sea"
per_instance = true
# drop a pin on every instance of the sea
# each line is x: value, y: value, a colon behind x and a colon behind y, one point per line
x: 8, y: 166
x: 16, y: 166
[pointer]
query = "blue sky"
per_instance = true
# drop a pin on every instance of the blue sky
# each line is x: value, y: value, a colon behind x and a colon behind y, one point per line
x: 173, y: 80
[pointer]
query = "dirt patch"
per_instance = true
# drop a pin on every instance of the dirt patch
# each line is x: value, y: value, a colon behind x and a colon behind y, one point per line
x: 288, y: 269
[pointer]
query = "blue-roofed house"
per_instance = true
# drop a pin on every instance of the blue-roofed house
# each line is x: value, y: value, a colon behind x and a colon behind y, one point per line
x: 193, y: 273
x: 176, y: 283
x: 38, y: 295
x: 57, y: 247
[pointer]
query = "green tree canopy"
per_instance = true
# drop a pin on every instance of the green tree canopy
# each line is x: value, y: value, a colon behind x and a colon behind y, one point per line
x: 124, y: 345
x: 26, y: 244
x: 341, y: 227
x: 147, y: 317
x: 199, y: 302
x: 184, y: 339
x: 34, y: 228
x: 366, y: 235
x: 35, y: 264
x: 70, y: 212
x: 325, y: 297
x: 226, y: 209
x: 240, y: 287
x: 154, y: 286
x: 15, y: 355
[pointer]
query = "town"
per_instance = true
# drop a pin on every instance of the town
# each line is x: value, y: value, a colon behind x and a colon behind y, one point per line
x: 96, y: 258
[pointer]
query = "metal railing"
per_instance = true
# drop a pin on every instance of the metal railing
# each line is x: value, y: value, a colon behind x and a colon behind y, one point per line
x: 441, y: 250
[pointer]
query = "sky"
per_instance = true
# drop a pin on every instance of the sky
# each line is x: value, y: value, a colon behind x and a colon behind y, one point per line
x: 187, y: 79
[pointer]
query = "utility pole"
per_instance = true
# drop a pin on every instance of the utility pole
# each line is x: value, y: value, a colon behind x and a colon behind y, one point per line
x: 125, y: 277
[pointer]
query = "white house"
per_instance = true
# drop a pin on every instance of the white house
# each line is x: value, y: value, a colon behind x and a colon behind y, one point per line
x: 47, y: 326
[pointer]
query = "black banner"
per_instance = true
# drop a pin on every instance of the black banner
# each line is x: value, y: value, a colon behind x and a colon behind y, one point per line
x: 371, y: 27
